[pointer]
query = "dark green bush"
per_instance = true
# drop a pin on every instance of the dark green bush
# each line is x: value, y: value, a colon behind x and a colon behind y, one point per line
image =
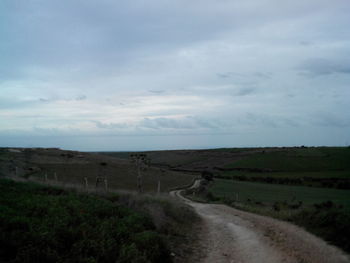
x: 329, y: 222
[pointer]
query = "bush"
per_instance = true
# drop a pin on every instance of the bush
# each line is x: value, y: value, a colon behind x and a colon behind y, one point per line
x: 327, y: 221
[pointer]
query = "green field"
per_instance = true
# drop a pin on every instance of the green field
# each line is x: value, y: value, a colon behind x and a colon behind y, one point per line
x: 299, y: 160
x: 322, y: 211
x: 299, y: 175
x: 119, y: 176
x: 70, y: 167
x: 270, y: 193
x: 314, y: 166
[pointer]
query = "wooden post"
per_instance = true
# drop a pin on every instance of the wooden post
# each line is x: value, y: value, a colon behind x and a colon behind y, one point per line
x: 139, y: 180
x: 158, y: 190
x: 45, y: 177
x: 55, y: 175
x: 106, y: 184
x: 159, y: 178
x: 86, y: 182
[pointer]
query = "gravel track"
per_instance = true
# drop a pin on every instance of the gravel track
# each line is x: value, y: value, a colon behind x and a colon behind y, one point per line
x: 231, y: 235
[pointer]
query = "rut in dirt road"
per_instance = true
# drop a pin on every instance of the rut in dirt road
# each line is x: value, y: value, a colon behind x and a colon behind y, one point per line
x: 230, y: 235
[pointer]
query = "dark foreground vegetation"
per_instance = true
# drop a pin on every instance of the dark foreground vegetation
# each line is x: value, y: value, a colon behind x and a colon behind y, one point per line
x: 328, y: 221
x: 46, y: 224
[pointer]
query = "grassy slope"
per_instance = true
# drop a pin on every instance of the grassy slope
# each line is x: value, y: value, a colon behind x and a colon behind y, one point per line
x: 171, y: 158
x: 46, y: 224
x: 313, y: 174
x: 270, y: 193
x: 41, y: 224
x: 313, y: 159
x: 314, y: 166
x: 121, y: 174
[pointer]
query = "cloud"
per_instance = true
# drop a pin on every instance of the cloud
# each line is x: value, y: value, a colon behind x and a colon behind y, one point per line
x: 245, y: 91
x: 111, y: 125
x: 157, y: 91
x: 323, y: 66
x: 182, y: 67
x: 81, y: 97
x: 330, y: 120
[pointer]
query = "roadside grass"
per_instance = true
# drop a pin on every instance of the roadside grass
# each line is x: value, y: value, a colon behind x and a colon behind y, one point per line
x: 324, y: 212
x: 48, y: 224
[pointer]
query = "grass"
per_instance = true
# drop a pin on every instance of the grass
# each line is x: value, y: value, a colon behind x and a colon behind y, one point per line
x: 119, y: 176
x: 270, y: 193
x: 168, y: 158
x: 121, y: 155
x: 73, y: 167
x: 296, y: 175
x: 299, y: 159
x: 49, y: 224
x: 324, y: 212
x: 44, y: 224
x: 315, y: 166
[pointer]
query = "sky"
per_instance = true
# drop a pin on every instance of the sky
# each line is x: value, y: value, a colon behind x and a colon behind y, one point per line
x: 123, y: 75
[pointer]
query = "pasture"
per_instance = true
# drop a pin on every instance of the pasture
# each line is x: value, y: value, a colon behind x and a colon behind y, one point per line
x: 270, y: 193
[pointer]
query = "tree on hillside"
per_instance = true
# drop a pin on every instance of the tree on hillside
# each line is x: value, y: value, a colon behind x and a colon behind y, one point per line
x: 207, y: 175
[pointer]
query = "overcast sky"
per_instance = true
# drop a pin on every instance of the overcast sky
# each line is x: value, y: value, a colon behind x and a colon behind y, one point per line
x: 171, y: 74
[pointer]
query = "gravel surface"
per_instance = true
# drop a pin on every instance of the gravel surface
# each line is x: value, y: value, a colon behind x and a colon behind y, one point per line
x: 231, y: 235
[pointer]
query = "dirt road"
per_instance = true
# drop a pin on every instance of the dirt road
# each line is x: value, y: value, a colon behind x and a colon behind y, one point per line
x: 231, y: 235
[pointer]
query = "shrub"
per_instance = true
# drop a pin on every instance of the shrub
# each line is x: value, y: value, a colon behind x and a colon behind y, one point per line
x: 327, y: 221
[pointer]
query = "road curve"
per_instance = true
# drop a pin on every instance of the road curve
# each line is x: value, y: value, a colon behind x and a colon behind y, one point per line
x: 231, y: 235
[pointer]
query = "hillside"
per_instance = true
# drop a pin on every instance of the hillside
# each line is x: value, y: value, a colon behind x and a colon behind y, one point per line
x: 309, y: 166
x: 72, y: 167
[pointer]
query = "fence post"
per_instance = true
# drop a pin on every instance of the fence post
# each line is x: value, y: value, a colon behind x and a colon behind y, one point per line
x: 86, y: 183
x: 158, y: 187
x: 106, y: 184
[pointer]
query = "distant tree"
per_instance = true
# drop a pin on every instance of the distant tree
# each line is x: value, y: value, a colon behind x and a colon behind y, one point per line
x: 208, y: 176
x: 141, y: 162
